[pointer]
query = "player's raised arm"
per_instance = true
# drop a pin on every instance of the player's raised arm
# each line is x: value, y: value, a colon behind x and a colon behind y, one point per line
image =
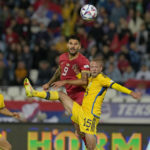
x: 78, y: 82
x: 81, y: 81
x: 107, y: 82
x: 54, y: 78
x: 120, y: 88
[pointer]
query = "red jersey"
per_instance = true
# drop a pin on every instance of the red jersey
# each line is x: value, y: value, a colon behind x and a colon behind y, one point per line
x: 67, y: 73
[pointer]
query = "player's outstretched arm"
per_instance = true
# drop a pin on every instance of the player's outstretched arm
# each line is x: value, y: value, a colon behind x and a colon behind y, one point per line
x: 81, y: 81
x: 54, y: 78
x: 136, y: 95
x: 78, y: 82
x: 6, y: 112
x: 120, y: 88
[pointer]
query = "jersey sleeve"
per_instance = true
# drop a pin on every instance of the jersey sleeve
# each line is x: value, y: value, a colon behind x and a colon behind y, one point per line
x: 2, y: 104
x: 84, y: 65
x: 121, y: 88
x: 105, y: 81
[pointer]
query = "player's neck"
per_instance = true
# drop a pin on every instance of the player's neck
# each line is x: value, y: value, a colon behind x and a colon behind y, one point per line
x: 71, y: 57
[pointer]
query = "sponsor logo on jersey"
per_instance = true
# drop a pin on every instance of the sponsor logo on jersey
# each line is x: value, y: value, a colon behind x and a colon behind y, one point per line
x: 86, y: 66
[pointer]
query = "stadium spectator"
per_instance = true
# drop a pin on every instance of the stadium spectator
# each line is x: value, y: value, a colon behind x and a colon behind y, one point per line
x: 122, y: 63
x: 111, y: 60
x: 43, y: 49
x: 11, y: 36
x: 35, y: 28
x: 20, y: 73
x: 115, y: 16
x: 69, y: 13
x: 128, y: 74
x: 52, y: 56
x: 106, y: 52
x: 44, y: 73
x: 36, y: 56
x: 67, y: 8
x: 135, y: 23
x: 27, y: 57
x: 94, y: 30
x: 55, y: 25
x: 124, y: 51
x: 114, y: 73
x: 143, y: 73
x: 112, y: 31
x: 43, y: 35
x: 120, y: 38
x: 82, y: 34
x: 61, y: 45
x: 135, y: 58
x: 93, y: 52
x: 25, y: 29
x: 142, y: 39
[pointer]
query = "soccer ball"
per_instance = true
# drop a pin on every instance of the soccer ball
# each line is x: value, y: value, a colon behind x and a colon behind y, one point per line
x: 88, y: 12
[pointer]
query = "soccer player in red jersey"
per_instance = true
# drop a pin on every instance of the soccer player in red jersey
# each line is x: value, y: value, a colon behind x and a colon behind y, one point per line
x: 67, y: 62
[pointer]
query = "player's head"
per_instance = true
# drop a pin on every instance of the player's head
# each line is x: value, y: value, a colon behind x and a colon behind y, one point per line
x: 73, y: 45
x: 96, y: 66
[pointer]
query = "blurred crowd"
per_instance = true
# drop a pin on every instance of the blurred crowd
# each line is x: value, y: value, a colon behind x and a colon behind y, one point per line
x: 33, y: 33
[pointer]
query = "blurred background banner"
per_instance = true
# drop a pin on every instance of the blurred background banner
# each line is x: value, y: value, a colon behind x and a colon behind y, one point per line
x: 126, y: 113
x: 53, y: 112
x: 61, y: 136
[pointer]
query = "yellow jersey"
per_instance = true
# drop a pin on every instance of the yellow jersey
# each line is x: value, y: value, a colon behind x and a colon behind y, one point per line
x: 2, y: 105
x: 95, y: 93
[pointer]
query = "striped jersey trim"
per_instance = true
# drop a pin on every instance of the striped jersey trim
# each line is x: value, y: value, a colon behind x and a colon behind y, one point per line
x: 112, y: 84
x: 99, y: 94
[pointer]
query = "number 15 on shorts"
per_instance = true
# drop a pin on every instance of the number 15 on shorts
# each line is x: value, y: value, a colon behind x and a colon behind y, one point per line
x: 87, y: 123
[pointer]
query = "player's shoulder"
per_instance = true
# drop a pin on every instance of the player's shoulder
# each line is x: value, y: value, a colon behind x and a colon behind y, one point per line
x: 63, y: 56
x: 102, y: 76
x: 82, y: 59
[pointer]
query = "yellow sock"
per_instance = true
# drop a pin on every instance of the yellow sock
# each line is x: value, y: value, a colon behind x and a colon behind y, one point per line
x: 41, y: 94
x: 50, y: 95
x: 53, y: 95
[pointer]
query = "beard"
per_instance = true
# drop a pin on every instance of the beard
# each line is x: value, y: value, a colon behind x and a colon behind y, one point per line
x: 74, y: 53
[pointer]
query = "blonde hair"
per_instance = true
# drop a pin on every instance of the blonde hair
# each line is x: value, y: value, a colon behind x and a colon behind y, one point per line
x: 100, y: 61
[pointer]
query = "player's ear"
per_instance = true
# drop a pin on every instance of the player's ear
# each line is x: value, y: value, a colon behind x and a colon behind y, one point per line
x: 79, y: 45
x: 101, y: 68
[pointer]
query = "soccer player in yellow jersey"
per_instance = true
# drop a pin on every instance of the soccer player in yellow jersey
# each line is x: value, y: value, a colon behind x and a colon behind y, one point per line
x: 4, y: 144
x: 87, y: 115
